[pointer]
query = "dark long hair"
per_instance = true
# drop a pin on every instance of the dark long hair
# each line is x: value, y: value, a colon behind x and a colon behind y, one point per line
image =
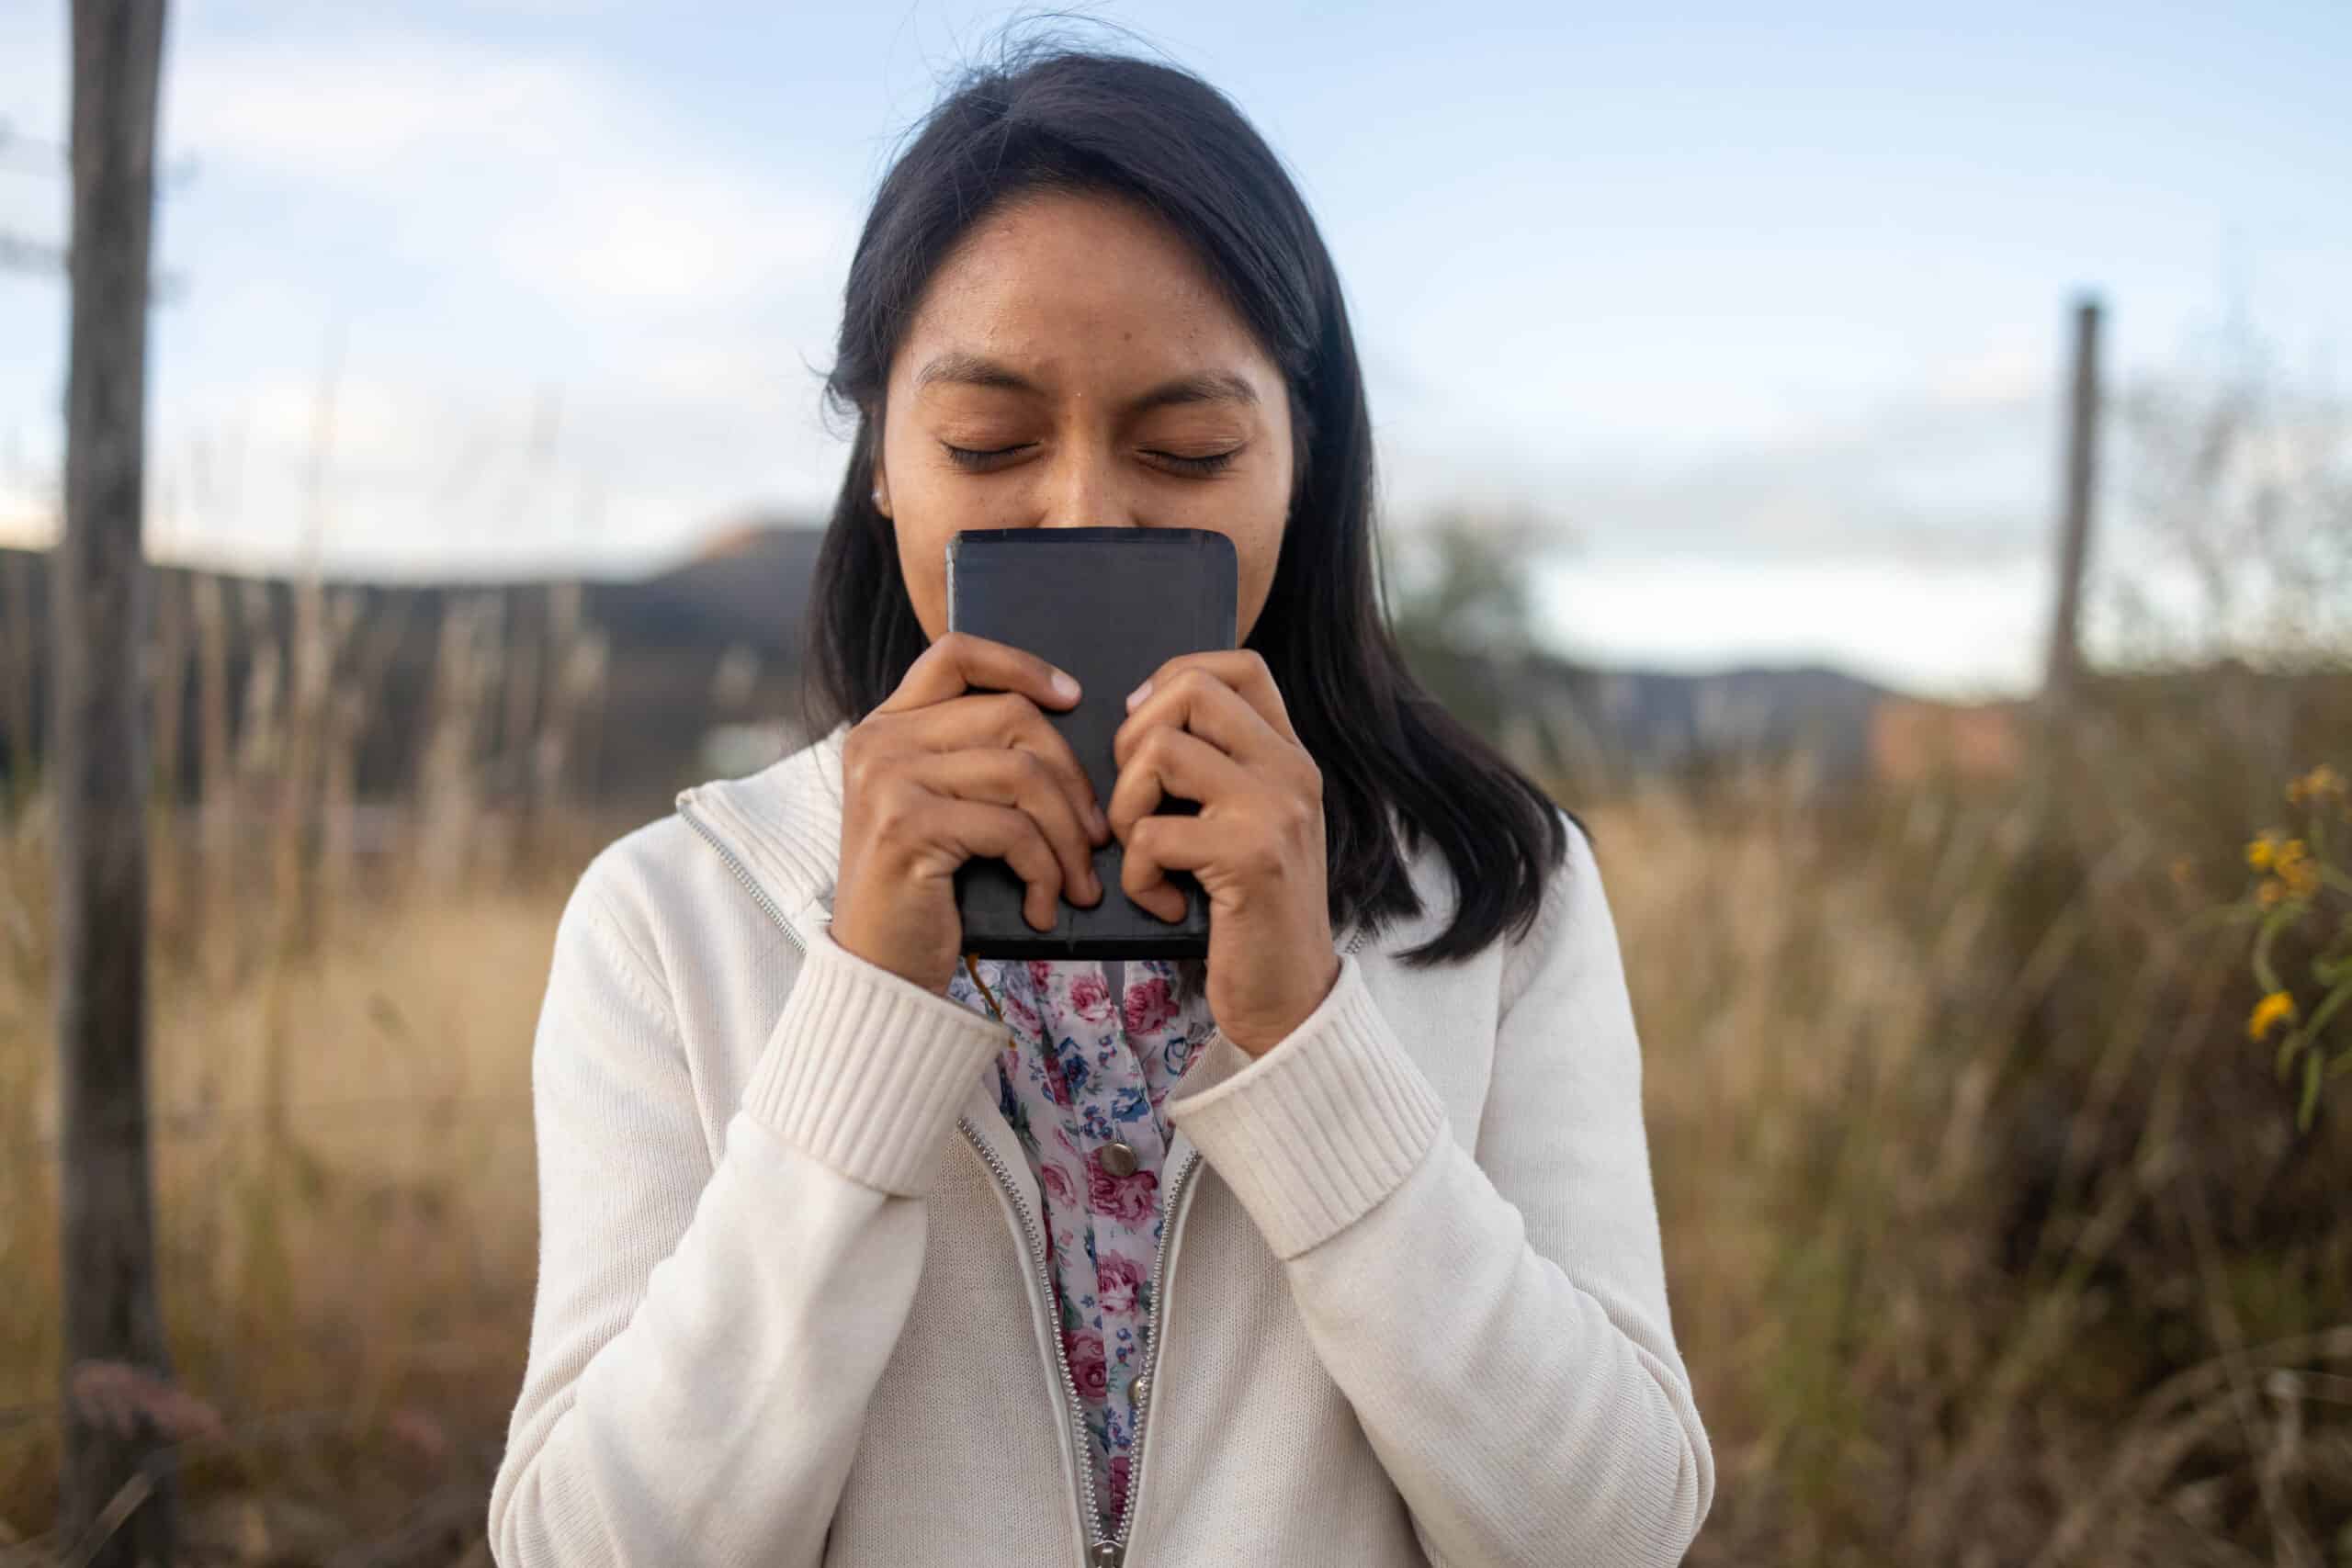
x: 1052, y: 118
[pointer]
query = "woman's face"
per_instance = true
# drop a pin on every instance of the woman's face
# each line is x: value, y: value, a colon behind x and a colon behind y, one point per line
x: 1085, y: 367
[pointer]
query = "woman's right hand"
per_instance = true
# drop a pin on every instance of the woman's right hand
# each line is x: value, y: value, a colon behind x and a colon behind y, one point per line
x: 941, y: 772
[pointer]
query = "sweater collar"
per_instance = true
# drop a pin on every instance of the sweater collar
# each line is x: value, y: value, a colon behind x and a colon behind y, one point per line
x: 783, y: 823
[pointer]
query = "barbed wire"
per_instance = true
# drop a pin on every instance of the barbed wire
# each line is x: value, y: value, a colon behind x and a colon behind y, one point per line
x: 23, y: 254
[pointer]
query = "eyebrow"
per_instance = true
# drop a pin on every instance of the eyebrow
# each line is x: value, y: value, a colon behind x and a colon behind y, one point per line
x: 960, y: 368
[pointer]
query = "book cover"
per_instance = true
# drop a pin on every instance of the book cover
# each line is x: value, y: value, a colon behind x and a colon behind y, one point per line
x: 1110, y: 605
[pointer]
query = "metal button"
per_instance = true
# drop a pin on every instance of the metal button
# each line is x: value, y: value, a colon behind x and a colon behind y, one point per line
x: 1140, y: 1390
x: 1119, y: 1159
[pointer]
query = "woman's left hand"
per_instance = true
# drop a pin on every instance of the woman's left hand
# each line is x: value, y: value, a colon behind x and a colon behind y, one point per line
x: 1211, y: 728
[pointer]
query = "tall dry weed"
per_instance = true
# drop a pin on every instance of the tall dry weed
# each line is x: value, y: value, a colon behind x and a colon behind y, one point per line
x: 1991, y: 1239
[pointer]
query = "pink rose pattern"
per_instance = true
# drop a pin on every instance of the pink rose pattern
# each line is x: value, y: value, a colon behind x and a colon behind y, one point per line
x: 1084, y: 1069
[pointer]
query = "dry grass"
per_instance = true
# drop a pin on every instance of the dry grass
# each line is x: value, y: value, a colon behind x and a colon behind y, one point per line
x: 346, y: 1240
x: 1991, y: 1238
x: 1991, y: 1242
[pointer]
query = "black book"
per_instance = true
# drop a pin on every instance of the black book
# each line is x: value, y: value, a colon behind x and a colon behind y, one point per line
x: 1110, y: 605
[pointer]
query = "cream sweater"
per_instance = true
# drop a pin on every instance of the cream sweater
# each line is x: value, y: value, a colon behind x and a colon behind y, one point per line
x: 791, y: 1301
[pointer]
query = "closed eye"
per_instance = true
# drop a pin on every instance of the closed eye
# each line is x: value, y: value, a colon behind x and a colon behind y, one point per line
x: 972, y: 457
x: 1208, y: 463
x: 1214, y: 462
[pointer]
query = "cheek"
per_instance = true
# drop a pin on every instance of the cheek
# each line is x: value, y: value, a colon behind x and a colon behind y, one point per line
x: 928, y: 589
x: 921, y: 543
x: 922, y: 562
x: 1259, y: 551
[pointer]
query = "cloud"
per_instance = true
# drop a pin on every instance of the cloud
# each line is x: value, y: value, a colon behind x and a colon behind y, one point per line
x: 422, y: 478
x: 1947, y: 631
x: 482, y: 230
x: 559, y: 174
x: 1957, y: 474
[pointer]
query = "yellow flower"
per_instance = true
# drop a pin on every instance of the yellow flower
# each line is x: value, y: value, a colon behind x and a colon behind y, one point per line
x: 2268, y: 1012
x: 2259, y: 853
x: 2321, y: 783
x: 2270, y: 892
x: 2301, y: 876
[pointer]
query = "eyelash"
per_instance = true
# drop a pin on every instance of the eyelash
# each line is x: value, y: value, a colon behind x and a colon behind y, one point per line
x: 1214, y: 462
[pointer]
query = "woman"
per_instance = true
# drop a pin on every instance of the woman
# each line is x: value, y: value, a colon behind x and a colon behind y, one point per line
x: 1337, y: 1248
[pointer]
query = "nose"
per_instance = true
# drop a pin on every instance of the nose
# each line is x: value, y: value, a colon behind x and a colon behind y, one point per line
x: 1085, y: 489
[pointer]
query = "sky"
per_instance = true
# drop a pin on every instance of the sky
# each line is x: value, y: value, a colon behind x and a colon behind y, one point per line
x: 1759, y: 311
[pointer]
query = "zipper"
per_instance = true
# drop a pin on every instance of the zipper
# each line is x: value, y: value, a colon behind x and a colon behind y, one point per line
x: 1038, y: 1255
x: 1117, y: 1546
x: 1152, y: 1338
x: 742, y: 874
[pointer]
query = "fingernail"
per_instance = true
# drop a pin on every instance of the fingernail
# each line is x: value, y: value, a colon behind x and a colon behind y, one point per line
x: 1063, y: 685
x: 1137, y: 695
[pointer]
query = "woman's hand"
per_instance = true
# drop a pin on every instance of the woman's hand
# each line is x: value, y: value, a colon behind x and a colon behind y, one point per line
x: 1211, y: 728
x: 940, y: 773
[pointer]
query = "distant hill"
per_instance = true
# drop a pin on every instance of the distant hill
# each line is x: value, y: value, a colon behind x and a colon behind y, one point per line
x: 715, y: 640
x: 748, y: 585
x: 1651, y: 721
x: 718, y: 640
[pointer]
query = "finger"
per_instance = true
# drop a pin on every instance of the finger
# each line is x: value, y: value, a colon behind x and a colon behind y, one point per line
x: 1158, y: 846
x: 1170, y: 762
x: 967, y: 829
x: 1196, y: 699
x: 1004, y: 719
x: 959, y: 663
x: 1018, y: 779
x: 1242, y: 669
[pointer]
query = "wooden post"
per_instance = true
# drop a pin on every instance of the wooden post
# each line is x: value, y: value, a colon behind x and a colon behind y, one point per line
x: 2065, y: 667
x: 115, y: 1507
x: 17, y: 666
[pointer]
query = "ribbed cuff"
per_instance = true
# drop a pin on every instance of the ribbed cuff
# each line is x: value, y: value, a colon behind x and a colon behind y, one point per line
x: 1321, y: 1127
x: 865, y: 1068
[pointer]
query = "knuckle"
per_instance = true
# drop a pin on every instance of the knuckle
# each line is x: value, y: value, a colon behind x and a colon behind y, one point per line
x: 891, y: 808
x: 857, y: 751
x: 1261, y: 856
x: 1033, y: 778
x: 1303, y: 807
x: 1029, y: 723
x: 1041, y: 864
x: 1012, y: 716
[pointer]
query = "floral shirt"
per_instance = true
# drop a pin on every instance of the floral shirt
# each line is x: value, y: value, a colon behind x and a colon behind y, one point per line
x: 1081, y: 1082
